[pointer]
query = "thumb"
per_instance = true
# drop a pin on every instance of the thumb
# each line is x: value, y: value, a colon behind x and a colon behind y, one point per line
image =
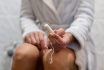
x: 60, y: 31
x: 44, y: 44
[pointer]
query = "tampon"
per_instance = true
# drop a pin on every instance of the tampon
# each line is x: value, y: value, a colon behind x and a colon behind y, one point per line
x: 49, y: 29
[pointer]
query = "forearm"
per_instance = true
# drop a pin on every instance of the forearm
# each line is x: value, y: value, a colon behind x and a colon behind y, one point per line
x: 83, y: 21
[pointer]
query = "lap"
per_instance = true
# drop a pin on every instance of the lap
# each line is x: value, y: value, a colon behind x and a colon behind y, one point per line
x: 63, y: 60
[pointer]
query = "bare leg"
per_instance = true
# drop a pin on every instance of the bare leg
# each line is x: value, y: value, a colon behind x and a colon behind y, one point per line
x: 25, y: 57
x: 63, y: 60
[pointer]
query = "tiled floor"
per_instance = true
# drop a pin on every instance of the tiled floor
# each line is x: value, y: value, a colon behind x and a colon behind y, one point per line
x: 10, y: 30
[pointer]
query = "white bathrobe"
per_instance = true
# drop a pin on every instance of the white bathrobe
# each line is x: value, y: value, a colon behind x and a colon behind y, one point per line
x: 75, y: 16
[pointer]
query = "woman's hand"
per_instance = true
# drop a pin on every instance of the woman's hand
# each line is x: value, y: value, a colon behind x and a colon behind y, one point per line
x: 60, y: 39
x: 36, y: 38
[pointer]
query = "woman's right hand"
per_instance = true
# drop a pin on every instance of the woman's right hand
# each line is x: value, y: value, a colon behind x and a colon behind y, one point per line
x: 36, y: 38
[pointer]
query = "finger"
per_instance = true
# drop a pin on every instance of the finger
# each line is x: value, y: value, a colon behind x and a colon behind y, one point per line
x: 44, y: 44
x: 60, y: 31
x: 51, y: 38
x: 41, y: 36
x: 28, y: 39
x: 54, y: 40
x: 51, y: 35
x: 58, y: 38
x: 54, y: 36
x: 59, y: 42
x: 33, y: 41
x: 42, y: 40
x: 36, y: 37
x: 55, y: 44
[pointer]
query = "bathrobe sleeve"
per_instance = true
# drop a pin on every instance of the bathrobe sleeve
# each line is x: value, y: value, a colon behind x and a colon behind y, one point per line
x: 83, y: 21
x: 27, y: 18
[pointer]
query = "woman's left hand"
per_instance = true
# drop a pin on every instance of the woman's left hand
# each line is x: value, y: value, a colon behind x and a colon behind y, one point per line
x: 60, y: 39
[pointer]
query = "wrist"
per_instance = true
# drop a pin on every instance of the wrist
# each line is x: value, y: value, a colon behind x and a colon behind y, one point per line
x: 71, y: 38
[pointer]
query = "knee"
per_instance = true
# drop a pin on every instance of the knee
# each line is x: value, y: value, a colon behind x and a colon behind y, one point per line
x: 68, y: 56
x: 65, y: 60
x: 71, y: 56
x: 26, y: 51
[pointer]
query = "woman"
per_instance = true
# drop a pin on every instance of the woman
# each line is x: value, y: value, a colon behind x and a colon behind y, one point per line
x: 71, y: 21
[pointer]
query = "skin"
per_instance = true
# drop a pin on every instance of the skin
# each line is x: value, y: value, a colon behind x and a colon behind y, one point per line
x: 27, y: 56
x: 36, y: 38
x: 59, y: 39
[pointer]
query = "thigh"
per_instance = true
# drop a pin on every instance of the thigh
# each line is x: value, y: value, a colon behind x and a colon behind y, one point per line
x: 63, y: 60
x: 25, y: 57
